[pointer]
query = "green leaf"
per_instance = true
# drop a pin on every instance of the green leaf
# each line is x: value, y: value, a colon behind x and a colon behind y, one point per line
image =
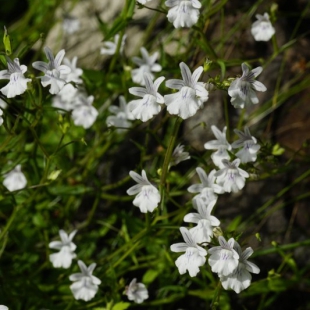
x: 277, y: 150
x: 121, y: 306
x: 150, y: 276
x: 38, y: 220
x: 54, y: 175
x: 70, y: 190
x: 7, y: 42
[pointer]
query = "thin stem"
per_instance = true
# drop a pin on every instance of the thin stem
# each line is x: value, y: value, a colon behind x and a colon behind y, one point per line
x: 167, y: 159
x: 10, y: 221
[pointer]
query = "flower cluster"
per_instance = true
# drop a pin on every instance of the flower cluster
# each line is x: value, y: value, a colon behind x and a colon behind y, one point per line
x: 231, y: 264
x: 227, y: 259
x: 85, y: 285
x: 246, y: 143
x: 64, y: 80
x: 190, y: 96
x: 72, y: 97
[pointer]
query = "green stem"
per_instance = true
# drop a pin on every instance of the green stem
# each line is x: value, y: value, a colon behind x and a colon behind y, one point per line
x: 10, y: 221
x: 285, y: 247
x: 167, y: 159
x: 216, y: 296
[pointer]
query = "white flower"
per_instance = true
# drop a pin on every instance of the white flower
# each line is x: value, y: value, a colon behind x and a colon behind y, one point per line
x: 70, y: 24
x: 262, y: 29
x: 143, y: 1
x: 231, y: 177
x: 179, y: 155
x: 86, y: 285
x: 1, y: 119
x: 145, y: 108
x: 64, y: 257
x: 15, y: 179
x: 3, y: 104
x: 148, y: 196
x: 136, y: 291
x: 75, y: 73
x: 203, y: 232
x: 146, y: 64
x: 191, y: 95
x: 66, y: 98
x: 122, y: 115
x: 53, y: 70
x: 224, y: 259
x: 194, y: 255
x: 183, y: 13
x: 220, y: 144
x: 84, y: 114
x: 110, y: 47
x: 240, y: 279
x: 2, y: 307
x: 15, y: 73
x: 241, y: 90
x: 207, y: 189
x: 249, y: 146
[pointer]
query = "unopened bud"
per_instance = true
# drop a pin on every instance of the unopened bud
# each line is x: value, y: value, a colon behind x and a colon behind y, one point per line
x: 217, y: 231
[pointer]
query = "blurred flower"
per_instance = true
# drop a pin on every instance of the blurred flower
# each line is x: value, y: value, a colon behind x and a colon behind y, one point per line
x: 136, y: 291
x: 75, y: 73
x: 148, y: 195
x: 66, y: 98
x: 224, y: 259
x: 122, y: 116
x: 207, y: 189
x: 110, y: 47
x: 15, y: 179
x: 194, y: 255
x: 145, y: 108
x: 241, y: 90
x: 183, y: 13
x: 262, y: 29
x: 146, y: 64
x: 85, y: 286
x: 179, y: 155
x: 249, y: 146
x: 15, y: 73
x: 231, y: 177
x: 143, y: 1
x: 84, y: 114
x: 1, y: 119
x: 203, y: 232
x: 53, y: 70
x: 70, y: 24
x: 3, y: 104
x: 191, y: 95
x: 64, y: 257
x: 220, y: 144
x: 240, y: 279
x: 2, y: 307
